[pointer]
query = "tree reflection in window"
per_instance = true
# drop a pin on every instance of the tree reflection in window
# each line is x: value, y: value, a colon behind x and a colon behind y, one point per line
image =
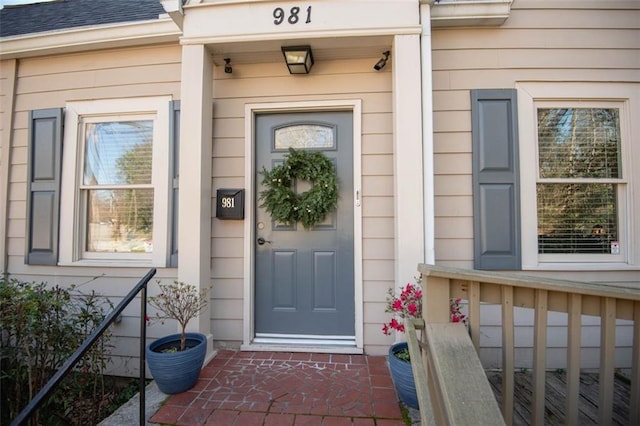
x: 117, y: 186
x: 579, y: 163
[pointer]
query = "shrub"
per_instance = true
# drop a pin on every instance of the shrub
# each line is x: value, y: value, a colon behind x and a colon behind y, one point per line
x: 40, y: 328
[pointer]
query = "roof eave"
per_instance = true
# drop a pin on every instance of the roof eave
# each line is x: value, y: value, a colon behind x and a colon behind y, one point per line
x: 137, y: 33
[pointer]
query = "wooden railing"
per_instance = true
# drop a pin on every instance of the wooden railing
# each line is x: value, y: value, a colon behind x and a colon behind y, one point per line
x: 542, y: 295
x: 451, y: 386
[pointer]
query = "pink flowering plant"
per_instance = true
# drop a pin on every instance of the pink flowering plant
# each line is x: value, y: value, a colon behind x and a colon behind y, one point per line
x: 456, y: 311
x: 179, y: 301
x: 408, y: 304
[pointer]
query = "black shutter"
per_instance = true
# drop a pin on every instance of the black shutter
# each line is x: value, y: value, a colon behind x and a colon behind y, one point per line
x: 496, y: 193
x: 43, y: 186
x: 175, y: 152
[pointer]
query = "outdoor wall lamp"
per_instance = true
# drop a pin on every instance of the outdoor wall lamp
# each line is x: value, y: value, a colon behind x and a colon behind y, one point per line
x: 227, y: 66
x: 382, y: 62
x: 299, y: 59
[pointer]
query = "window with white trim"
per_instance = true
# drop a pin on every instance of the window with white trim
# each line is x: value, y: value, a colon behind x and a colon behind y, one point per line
x: 580, y: 180
x: 115, y: 182
x: 580, y: 175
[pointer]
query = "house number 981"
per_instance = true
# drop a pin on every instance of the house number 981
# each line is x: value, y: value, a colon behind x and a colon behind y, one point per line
x: 293, y: 17
x: 228, y: 202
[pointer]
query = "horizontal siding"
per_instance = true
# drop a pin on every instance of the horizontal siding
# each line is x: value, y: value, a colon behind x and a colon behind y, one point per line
x: 227, y: 247
x: 82, y: 80
x: 227, y: 330
x: 378, y: 207
x: 379, y: 248
x: 556, y: 358
x: 491, y: 339
x: 453, y: 184
x: 30, y: 101
x: 228, y: 167
x: 377, y: 227
x: 7, y: 69
x: 376, y: 144
x: 226, y: 182
x: 377, y: 270
x: 541, y: 41
x: 265, y: 83
x: 496, y: 79
x: 555, y: 17
x: 271, y: 86
x: 452, y: 142
x: 452, y: 163
x: 453, y: 227
x: 50, y: 82
x: 377, y: 165
x: 527, y: 38
x: 330, y: 80
x: 453, y: 206
x: 487, y: 59
x: 376, y: 186
x: 114, y: 59
x: 228, y: 147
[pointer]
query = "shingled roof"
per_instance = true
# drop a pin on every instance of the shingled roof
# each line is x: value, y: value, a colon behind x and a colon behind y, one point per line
x: 66, y: 14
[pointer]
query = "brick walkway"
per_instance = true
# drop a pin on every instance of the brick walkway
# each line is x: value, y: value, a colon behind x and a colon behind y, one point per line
x: 275, y: 388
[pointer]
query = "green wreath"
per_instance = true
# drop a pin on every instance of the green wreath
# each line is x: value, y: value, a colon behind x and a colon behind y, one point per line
x: 310, y: 207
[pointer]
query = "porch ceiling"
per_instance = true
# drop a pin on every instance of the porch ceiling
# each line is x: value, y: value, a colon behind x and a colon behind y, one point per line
x: 330, y: 48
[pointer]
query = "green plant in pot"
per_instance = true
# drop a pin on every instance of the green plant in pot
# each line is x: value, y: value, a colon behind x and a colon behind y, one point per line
x: 408, y: 304
x: 175, y: 361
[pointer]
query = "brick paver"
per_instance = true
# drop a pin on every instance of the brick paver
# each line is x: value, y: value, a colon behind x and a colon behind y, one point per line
x: 279, y: 388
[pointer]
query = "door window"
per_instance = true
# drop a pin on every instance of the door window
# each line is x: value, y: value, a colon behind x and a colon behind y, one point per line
x: 308, y: 136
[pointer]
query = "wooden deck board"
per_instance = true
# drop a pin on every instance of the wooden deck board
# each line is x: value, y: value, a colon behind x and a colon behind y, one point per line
x: 556, y: 385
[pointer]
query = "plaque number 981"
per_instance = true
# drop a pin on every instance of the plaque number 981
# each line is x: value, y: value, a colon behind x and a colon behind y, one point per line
x: 293, y: 17
x: 228, y: 202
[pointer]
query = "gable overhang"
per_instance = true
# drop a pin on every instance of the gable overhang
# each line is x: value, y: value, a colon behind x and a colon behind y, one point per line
x: 139, y: 33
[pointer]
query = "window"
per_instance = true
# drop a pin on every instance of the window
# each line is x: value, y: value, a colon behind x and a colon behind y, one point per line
x: 116, y: 186
x: 115, y: 182
x: 308, y: 136
x: 579, y: 180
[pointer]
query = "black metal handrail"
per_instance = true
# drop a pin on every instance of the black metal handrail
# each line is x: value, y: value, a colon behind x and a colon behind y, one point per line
x: 42, y: 395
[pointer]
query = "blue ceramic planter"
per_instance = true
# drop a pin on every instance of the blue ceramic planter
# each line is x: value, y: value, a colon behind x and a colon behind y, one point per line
x: 402, y: 376
x: 176, y: 372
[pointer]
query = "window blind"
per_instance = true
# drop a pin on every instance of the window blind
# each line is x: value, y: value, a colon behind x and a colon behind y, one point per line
x: 578, y: 156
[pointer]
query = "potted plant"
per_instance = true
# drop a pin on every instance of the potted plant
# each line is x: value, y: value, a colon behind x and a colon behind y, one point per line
x: 408, y: 304
x: 175, y: 361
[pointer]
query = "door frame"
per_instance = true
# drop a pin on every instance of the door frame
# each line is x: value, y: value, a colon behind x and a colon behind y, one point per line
x: 251, y: 110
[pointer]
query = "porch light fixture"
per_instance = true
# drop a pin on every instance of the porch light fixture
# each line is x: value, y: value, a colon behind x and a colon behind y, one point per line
x: 383, y: 61
x: 299, y: 59
x: 227, y: 66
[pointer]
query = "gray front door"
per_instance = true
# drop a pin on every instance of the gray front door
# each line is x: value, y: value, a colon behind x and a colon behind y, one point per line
x: 304, y: 279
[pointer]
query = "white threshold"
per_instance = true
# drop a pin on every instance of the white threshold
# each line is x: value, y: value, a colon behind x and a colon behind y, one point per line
x: 303, y: 343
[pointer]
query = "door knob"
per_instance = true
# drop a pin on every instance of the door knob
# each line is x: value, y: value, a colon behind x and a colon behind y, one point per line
x: 261, y: 241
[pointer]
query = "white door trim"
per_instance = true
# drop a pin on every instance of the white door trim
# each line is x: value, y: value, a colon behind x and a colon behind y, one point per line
x: 248, y: 331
